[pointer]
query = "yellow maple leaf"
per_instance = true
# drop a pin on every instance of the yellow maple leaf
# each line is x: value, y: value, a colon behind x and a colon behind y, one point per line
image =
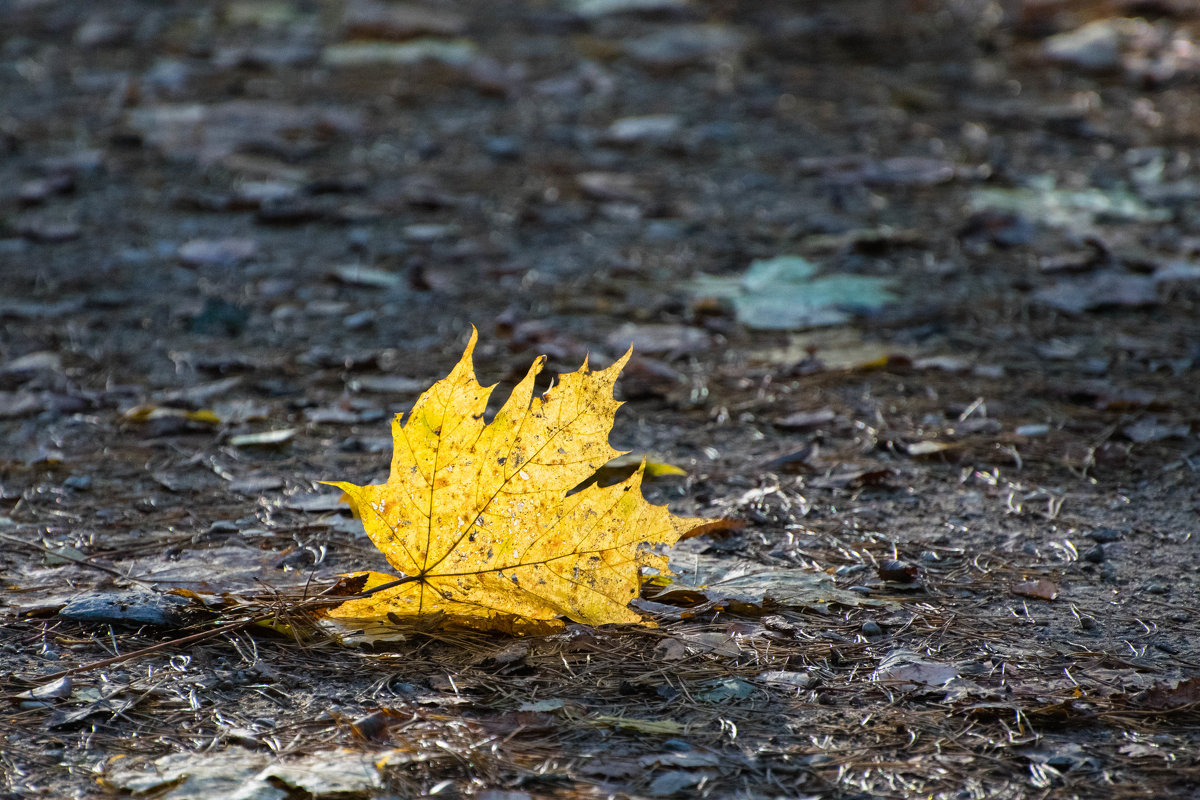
x: 481, y: 517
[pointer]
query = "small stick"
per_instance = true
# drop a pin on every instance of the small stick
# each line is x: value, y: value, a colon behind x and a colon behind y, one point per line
x: 209, y: 634
x: 85, y: 562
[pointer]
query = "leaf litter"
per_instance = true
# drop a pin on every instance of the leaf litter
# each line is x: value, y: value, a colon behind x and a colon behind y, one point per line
x: 1057, y: 698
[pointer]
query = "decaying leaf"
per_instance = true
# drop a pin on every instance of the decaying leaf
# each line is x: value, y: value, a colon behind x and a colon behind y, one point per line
x: 480, y: 517
x: 751, y: 588
x: 1170, y: 695
x: 1040, y: 589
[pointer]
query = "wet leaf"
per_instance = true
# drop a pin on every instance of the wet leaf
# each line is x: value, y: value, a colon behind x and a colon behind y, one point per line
x: 784, y: 293
x: 1078, y: 209
x: 724, y: 690
x: 481, y: 517
x: 1104, y: 289
x: 1169, y: 696
x: 906, y: 671
x: 750, y: 587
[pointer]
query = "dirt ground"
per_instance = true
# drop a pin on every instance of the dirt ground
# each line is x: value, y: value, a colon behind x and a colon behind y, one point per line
x: 964, y: 513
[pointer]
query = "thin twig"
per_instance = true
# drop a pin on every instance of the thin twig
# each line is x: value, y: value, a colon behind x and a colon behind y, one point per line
x: 230, y: 627
x: 85, y: 562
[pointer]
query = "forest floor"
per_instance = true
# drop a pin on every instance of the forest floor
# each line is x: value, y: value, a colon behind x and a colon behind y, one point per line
x: 961, y: 458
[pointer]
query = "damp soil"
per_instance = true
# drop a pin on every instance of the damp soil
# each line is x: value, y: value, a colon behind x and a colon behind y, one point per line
x: 217, y: 220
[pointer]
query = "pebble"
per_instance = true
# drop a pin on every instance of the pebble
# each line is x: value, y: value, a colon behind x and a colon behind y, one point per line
x: 80, y: 483
x: 655, y: 128
x: 226, y: 252
x: 872, y: 628
x: 897, y: 571
x: 1105, y: 535
x: 1094, y: 554
x: 133, y: 608
x: 360, y: 320
x: 685, y: 45
x: 503, y: 148
x: 598, y: 8
x: 1094, y: 47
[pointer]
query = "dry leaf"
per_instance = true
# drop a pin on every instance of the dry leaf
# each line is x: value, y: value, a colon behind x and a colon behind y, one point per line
x: 482, y: 519
x: 1168, y: 695
x: 1041, y: 589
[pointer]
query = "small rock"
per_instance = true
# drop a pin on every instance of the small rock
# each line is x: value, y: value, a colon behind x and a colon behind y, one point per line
x: 134, y: 608
x: 220, y: 318
x: 1032, y: 430
x: 23, y: 369
x: 256, y: 484
x: 1105, y: 535
x: 100, y: 30
x: 1158, y: 588
x: 217, y: 252
x: 1094, y: 554
x: 429, y: 232
x: 503, y: 148
x: 872, y: 628
x: 45, y: 230
x: 659, y: 339
x: 612, y: 186
x: 686, y: 45
x: 654, y: 129
x: 38, y: 190
x: 897, y: 571
x: 1103, y: 289
x: 360, y: 320
x: 599, y: 8
x: 451, y: 52
x: 1095, y: 47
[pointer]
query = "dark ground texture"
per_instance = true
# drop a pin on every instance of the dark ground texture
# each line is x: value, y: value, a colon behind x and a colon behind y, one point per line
x: 213, y: 222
